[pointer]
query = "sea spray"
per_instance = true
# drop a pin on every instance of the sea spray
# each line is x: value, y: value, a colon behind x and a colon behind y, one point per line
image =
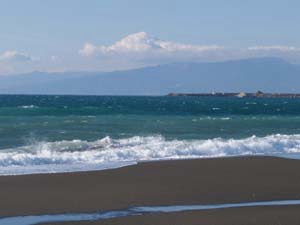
x: 81, y: 155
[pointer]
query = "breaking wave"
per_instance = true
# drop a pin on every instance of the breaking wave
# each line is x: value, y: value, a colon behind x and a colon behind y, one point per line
x: 28, y: 107
x: 79, y: 155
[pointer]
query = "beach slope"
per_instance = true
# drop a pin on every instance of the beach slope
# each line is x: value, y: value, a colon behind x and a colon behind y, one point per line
x: 177, y: 182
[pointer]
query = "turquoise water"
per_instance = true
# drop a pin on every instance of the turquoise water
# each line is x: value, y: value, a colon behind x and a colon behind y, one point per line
x: 86, y: 131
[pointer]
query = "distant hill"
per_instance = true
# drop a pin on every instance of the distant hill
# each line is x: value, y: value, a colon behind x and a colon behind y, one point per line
x: 249, y: 75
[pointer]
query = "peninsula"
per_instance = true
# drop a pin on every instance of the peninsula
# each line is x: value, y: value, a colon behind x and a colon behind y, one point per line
x: 258, y: 94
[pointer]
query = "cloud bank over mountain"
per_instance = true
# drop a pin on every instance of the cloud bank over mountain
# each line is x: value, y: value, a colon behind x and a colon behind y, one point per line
x: 143, y: 43
x: 11, y: 59
x: 138, y: 50
x: 15, y: 56
x: 142, y: 47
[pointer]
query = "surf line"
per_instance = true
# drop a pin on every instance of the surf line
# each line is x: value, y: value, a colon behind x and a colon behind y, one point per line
x: 134, y: 211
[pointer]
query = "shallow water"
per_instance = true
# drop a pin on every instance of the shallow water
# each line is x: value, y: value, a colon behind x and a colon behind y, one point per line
x: 32, y: 220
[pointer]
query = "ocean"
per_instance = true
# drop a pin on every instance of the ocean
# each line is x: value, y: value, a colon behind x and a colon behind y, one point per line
x: 46, y: 134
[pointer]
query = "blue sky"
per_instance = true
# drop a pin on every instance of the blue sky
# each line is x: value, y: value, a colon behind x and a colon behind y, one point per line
x: 50, y: 35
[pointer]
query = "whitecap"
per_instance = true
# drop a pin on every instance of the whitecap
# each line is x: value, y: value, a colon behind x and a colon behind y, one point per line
x: 80, y: 155
x: 28, y: 106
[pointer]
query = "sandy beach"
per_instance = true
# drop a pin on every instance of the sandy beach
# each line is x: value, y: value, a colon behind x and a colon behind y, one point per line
x: 176, y: 182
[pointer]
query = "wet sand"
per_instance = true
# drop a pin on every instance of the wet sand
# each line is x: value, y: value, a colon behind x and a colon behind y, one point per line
x: 177, y: 182
x: 271, y: 215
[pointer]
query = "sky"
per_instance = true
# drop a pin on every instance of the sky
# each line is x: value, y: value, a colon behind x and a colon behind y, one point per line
x: 102, y: 35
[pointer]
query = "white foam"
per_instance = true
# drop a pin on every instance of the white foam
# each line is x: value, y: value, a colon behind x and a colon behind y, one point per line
x: 78, y: 155
x: 28, y: 106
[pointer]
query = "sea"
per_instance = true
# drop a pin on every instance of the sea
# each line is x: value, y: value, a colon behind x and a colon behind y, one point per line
x: 50, y: 134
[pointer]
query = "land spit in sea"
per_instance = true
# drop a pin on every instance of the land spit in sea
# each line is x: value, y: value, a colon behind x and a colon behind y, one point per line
x: 156, y: 151
x: 258, y: 94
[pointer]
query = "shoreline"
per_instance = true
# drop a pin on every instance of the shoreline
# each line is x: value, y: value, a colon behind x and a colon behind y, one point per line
x: 120, y: 165
x: 140, y: 211
x: 284, y: 215
x: 171, y: 182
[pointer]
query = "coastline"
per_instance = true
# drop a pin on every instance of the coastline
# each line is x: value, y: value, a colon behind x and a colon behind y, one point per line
x: 258, y: 94
x: 174, y: 182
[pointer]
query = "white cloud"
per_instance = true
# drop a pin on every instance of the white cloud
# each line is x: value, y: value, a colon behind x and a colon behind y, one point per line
x: 280, y: 48
x: 88, y: 50
x: 16, y: 62
x: 5, y: 68
x: 138, y: 50
x: 15, y: 56
x: 54, y: 58
x: 289, y: 53
x: 143, y: 47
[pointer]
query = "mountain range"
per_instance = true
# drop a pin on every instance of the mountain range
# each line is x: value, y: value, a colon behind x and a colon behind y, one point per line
x: 249, y: 75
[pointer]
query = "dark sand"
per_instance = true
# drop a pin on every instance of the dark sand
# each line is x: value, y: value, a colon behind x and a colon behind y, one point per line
x: 180, y: 182
x: 275, y: 215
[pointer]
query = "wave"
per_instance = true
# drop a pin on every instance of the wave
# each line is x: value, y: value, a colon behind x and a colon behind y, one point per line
x: 28, y: 107
x: 80, y: 155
